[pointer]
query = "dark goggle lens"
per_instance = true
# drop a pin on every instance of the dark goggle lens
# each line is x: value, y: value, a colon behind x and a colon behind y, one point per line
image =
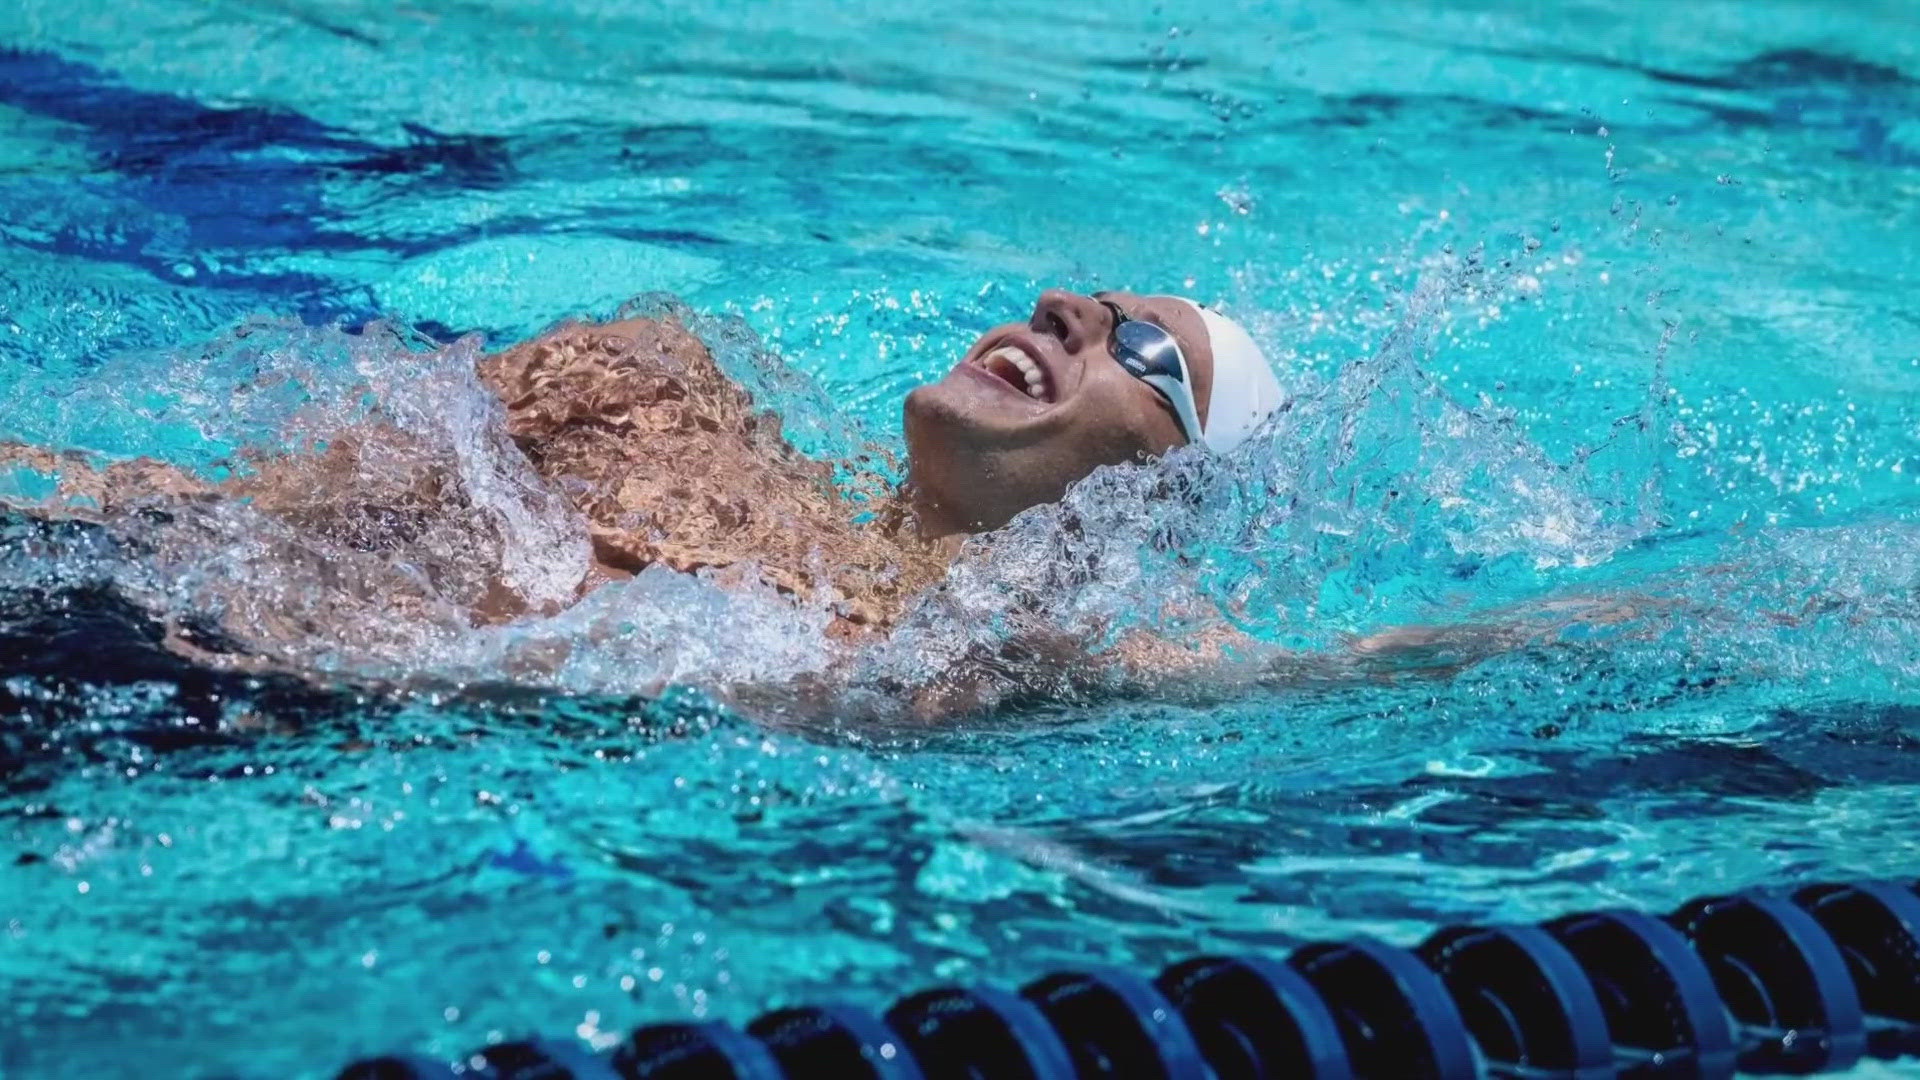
x: 1145, y: 349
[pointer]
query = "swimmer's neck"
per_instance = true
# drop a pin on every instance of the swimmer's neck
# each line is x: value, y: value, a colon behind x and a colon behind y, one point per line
x: 938, y: 529
x: 945, y: 546
x: 940, y: 536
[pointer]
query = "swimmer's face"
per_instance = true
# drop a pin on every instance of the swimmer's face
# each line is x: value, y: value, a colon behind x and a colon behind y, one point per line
x: 1034, y: 406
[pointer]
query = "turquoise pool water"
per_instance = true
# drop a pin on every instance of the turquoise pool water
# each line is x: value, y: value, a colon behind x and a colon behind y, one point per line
x: 1614, y: 303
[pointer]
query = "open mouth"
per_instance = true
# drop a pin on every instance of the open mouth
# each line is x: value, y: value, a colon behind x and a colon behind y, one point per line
x: 1019, y: 371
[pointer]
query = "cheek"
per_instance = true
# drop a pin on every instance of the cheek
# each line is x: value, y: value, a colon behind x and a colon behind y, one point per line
x: 1129, y: 421
x: 1106, y: 431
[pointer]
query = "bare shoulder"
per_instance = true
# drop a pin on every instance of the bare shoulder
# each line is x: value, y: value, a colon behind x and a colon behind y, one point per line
x: 647, y: 336
x: 580, y: 369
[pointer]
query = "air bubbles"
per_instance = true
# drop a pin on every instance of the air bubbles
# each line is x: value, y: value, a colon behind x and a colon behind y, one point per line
x: 1238, y: 199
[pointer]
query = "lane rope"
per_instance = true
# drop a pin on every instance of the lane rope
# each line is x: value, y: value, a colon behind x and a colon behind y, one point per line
x: 1758, y: 982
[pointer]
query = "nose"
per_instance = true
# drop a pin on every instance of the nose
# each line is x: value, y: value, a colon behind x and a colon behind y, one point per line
x: 1076, y: 320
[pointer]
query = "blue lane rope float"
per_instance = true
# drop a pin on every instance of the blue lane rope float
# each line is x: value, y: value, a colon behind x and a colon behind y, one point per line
x: 1525, y: 998
x: 1783, y: 979
x: 1757, y: 982
x: 835, y: 1040
x: 1395, y: 1015
x: 1656, y: 994
x: 1878, y: 929
x: 1256, y: 1017
x: 959, y: 1033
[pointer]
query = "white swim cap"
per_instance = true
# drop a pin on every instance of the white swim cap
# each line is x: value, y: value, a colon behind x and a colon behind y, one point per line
x: 1245, y: 390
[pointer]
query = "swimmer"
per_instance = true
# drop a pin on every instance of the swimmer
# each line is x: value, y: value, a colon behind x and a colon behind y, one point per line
x: 669, y: 464
x: 1031, y: 408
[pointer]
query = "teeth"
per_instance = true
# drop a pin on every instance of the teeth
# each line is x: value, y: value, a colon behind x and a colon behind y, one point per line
x: 1036, y: 379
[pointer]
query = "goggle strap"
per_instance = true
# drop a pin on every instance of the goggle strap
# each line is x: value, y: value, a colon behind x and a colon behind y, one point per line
x: 1181, y: 397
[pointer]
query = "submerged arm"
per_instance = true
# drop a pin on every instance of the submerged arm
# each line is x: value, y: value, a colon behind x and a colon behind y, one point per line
x: 1221, y: 664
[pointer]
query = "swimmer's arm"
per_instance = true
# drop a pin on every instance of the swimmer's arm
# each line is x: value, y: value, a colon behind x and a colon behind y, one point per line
x: 1221, y: 664
x: 1041, y: 668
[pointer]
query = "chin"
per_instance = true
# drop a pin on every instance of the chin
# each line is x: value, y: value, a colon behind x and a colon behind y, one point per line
x: 923, y: 404
x: 964, y: 479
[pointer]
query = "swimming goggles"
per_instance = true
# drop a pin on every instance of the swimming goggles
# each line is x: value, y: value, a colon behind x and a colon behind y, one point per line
x: 1150, y: 353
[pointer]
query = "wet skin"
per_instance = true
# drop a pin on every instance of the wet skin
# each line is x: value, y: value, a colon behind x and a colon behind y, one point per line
x: 981, y: 448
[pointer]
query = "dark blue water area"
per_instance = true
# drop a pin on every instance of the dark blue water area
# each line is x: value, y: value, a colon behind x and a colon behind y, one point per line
x: 221, y: 194
x: 236, y: 182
